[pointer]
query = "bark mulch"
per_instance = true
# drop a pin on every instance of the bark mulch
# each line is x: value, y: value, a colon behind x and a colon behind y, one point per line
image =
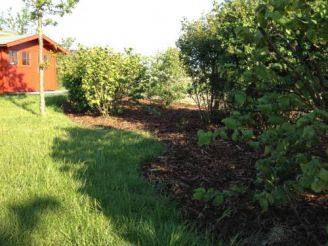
x: 185, y: 166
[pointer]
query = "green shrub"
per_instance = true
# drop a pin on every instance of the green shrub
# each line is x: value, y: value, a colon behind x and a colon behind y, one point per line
x: 278, y: 96
x: 168, y: 79
x: 216, y: 54
x: 98, y: 79
x: 71, y: 72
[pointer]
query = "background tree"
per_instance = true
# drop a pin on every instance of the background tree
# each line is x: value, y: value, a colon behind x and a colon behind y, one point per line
x: 216, y: 54
x: 67, y: 43
x: 40, y: 11
x: 168, y: 80
x: 17, y: 22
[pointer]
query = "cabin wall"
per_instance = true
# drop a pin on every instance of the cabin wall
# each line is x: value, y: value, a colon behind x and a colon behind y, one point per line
x: 22, y: 78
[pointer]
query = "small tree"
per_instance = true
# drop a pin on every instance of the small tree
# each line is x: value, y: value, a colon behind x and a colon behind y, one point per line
x: 40, y: 9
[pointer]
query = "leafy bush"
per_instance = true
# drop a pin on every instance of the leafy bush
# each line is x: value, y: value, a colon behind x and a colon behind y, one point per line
x: 279, y: 95
x: 168, y: 79
x: 71, y: 71
x: 217, y: 55
x: 98, y: 78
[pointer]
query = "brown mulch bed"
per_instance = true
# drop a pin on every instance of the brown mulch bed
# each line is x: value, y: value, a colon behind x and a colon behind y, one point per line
x: 185, y: 166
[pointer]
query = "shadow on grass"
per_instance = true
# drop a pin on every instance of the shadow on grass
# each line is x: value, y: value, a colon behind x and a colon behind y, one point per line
x: 21, y: 102
x: 55, y: 102
x: 108, y: 162
x: 27, y: 215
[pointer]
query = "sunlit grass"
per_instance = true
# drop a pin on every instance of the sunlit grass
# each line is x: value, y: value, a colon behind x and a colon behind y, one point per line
x: 65, y: 184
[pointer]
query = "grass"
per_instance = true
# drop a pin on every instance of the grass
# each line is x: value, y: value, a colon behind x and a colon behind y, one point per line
x: 65, y: 184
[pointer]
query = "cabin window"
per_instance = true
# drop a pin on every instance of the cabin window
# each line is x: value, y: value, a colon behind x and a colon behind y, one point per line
x: 13, y: 58
x: 26, y: 60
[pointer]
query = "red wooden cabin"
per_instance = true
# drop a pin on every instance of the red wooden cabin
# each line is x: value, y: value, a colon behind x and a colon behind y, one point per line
x: 19, y: 63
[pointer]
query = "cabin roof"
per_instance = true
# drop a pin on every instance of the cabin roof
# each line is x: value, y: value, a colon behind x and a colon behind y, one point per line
x: 8, y: 39
x: 13, y: 40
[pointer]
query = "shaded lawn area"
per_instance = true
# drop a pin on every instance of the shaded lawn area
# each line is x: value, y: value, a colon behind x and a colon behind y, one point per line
x: 65, y: 184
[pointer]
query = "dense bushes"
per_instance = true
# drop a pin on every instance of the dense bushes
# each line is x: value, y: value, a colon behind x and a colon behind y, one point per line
x: 98, y: 79
x: 268, y: 62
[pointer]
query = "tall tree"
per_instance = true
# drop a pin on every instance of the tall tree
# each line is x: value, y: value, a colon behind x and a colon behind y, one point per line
x: 40, y: 11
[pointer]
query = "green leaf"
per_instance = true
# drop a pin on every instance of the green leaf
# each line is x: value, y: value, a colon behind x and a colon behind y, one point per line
x: 255, y: 145
x: 276, y: 66
x: 276, y: 119
x: 231, y: 123
x: 265, y: 108
x: 267, y: 150
x: 318, y: 186
x: 309, y: 133
x: 204, y: 138
x: 240, y: 97
x: 306, y: 181
x: 279, y: 195
x: 324, y: 175
x: 247, y: 134
x: 304, y: 167
x: 322, y: 113
x: 262, y: 72
x: 221, y: 132
x: 275, y: 15
x: 235, y: 135
x: 199, y: 194
x: 284, y: 103
x: 302, y: 121
x: 219, y: 199
x: 263, y: 201
x: 258, y: 36
x: 279, y: 3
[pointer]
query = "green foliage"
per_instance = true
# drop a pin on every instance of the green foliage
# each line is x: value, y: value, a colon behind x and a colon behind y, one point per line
x: 210, y: 195
x: 20, y: 23
x: 216, y: 54
x: 98, y: 79
x: 43, y: 8
x: 273, y: 61
x: 217, y: 198
x: 204, y: 138
x: 67, y: 43
x: 167, y: 77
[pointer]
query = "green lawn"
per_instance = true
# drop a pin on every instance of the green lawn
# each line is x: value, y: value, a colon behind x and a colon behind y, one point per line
x: 65, y: 184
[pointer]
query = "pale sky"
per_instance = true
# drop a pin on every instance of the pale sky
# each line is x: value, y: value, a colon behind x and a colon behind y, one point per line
x: 147, y: 26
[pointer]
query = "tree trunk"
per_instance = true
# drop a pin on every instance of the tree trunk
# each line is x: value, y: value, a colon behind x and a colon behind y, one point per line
x: 41, y: 67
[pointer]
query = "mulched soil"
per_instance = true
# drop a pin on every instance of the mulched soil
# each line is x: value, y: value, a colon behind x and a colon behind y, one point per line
x: 185, y: 166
